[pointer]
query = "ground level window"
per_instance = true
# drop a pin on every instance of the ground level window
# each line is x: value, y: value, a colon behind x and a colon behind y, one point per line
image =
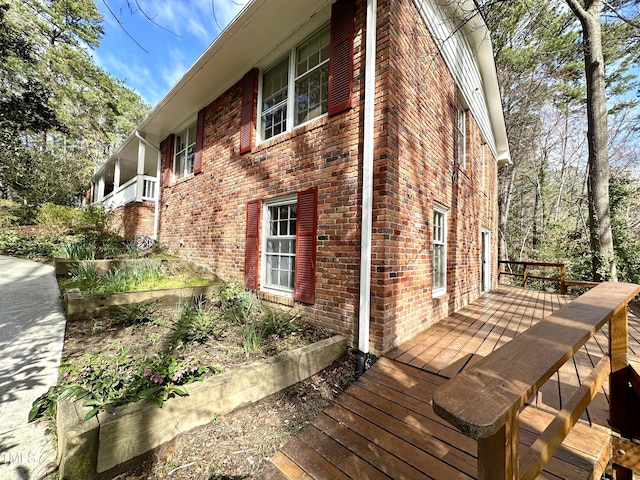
x: 280, y: 251
x: 439, y: 252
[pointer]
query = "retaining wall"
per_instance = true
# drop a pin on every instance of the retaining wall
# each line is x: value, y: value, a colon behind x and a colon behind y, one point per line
x: 88, y: 449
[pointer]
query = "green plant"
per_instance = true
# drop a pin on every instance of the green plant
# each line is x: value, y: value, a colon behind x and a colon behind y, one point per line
x: 78, y: 250
x: 84, y: 276
x: 27, y: 246
x: 134, y: 314
x: 279, y: 322
x: 8, y: 213
x: 104, y: 383
x: 196, y: 323
x: 132, y: 250
x: 58, y: 219
x: 253, y: 334
x: 95, y: 219
x: 236, y: 303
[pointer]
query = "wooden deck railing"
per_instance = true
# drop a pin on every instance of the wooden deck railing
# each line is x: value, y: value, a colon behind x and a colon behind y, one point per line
x: 484, y: 401
x: 526, y: 274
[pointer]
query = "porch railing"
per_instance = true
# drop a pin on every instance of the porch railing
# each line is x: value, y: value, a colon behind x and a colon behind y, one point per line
x: 525, y: 272
x: 484, y: 401
x: 139, y: 188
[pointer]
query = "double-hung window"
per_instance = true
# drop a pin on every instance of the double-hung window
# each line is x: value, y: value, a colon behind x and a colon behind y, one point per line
x: 286, y: 261
x: 184, y: 152
x: 295, y: 89
x: 461, y: 139
x: 280, y: 244
x: 439, y: 252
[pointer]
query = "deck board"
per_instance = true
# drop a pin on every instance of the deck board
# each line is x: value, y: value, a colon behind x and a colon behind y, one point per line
x: 383, y: 426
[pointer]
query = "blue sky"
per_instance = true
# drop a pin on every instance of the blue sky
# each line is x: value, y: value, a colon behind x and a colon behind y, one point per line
x: 191, y: 26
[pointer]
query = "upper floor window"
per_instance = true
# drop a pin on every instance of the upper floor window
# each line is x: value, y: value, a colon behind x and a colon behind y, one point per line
x: 184, y: 152
x: 294, y: 90
x: 461, y: 139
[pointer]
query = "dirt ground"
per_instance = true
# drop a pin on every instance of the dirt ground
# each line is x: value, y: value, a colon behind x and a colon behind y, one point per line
x: 235, y: 445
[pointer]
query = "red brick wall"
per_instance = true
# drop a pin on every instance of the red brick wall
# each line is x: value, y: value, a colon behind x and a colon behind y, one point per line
x: 203, y: 216
x: 417, y: 173
x: 135, y: 218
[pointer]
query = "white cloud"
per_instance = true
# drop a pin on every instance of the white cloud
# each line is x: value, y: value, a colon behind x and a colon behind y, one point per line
x: 196, y: 22
x: 174, y: 67
x: 202, y: 19
x: 138, y: 77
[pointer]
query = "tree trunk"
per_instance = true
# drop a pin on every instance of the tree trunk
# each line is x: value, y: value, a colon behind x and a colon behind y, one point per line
x: 601, y: 239
x: 507, y: 176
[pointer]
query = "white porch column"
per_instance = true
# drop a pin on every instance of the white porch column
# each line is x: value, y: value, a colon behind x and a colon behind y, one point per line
x: 116, y: 175
x: 142, y: 150
x: 100, y: 189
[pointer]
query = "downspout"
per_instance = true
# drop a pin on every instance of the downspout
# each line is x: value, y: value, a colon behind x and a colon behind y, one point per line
x: 156, y: 207
x: 367, y: 187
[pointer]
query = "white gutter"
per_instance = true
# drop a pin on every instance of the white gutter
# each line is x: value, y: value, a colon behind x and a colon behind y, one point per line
x: 156, y: 207
x: 367, y: 178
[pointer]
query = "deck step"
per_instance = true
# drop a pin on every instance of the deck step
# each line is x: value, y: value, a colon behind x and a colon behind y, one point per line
x: 587, y: 448
x: 383, y: 427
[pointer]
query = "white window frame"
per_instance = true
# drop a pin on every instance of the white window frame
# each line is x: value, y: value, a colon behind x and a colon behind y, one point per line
x: 189, y: 146
x: 291, y: 87
x: 267, y: 286
x: 439, y: 242
x: 483, y: 166
x: 485, y: 258
x: 461, y: 137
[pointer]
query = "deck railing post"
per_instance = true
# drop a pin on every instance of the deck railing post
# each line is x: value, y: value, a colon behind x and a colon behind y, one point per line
x: 498, y: 454
x: 563, y: 286
x: 619, y: 403
x: 524, y: 275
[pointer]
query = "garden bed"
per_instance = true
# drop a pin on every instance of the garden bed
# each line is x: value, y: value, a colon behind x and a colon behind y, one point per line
x: 122, y: 351
x: 77, y: 306
x: 86, y: 448
x: 65, y: 266
x: 93, y: 285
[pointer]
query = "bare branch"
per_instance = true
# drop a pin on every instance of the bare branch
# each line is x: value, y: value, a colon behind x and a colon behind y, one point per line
x: 151, y: 19
x: 630, y: 21
x: 213, y: 9
x: 122, y: 27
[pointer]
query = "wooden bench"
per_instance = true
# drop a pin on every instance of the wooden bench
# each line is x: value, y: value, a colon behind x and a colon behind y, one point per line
x: 485, y: 401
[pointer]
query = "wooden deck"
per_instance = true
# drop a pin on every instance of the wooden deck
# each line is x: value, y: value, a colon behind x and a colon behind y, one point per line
x: 383, y: 426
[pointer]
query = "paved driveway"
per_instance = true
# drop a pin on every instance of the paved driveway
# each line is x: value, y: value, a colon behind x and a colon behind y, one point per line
x: 31, y: 338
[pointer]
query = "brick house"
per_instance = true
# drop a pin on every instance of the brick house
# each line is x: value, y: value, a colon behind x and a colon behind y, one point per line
x: 360, y: 187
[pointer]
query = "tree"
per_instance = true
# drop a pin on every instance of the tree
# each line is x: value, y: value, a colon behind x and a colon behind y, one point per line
x: 543, y: 182
x: 61, y: 114
x: 601, y: 238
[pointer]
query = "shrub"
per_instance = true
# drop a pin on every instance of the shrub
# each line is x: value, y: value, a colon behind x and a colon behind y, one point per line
x: 58, y: 219
x: 8, y: 213
x: 13, y: 213
x: 95, y: 219
x: 27, y: 246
